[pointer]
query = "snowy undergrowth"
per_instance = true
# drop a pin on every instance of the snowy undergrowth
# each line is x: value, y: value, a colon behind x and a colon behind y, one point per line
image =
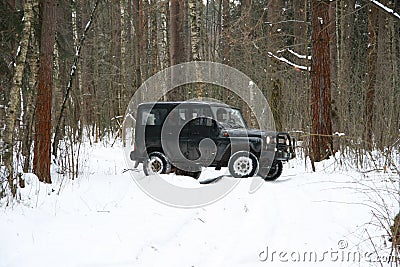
x: 103, y: 219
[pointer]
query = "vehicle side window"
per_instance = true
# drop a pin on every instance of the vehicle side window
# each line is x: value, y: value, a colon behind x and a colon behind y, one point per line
x: 201, y: 113
x: 153, y: 117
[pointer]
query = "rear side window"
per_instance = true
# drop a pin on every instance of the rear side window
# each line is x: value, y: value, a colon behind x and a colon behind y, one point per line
x: 203, y: 111
x: 155, y: 116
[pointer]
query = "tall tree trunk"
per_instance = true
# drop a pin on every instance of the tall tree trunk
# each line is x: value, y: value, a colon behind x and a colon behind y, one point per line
x: 300, y: 39
x: 371, y: 74
x: 195, y: 40
x: 345, y: 33
x: 163, y: 42
x: 144, y: 44
x: 194, y: 30
x: 137, y: 24
x: 123, y: 93
x: 12, y: 4
x: 334, y: 68
x: 164, y: 60
x: 116, y: 57
x: 77, y: 95
x: 153, y: 48
x: 220, y: 41
x: 275, y: 83
x: 226, y: 33
x: 176, y: 49
x: 29, y: 106
x: 41, y: 160
x: 85, y: 73
x: 11, y: 111
x: 321, y: 110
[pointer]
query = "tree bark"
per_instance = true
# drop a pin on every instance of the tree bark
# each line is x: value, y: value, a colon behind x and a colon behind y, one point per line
x: 137, y: 24
x: 195, y: 40
x: 226, y: 35
x: 345, y: 34
x: 41, y: 160
x: 164, y: 60
x: 30, y: 105
x: 123, y: 93
x: 194, y: 30
x: 12, y: 110
x: 275, y: 83
x: 371, y: 75
x: 321, y: 110
x: 176, y: 49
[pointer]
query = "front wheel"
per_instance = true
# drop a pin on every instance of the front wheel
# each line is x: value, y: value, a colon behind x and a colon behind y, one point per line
x: 243, y: 164
x: 275, y: 171
x: 157, y: 163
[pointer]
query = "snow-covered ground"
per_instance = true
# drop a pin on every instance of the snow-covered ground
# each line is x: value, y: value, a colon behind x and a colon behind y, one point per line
x: 104, y: 219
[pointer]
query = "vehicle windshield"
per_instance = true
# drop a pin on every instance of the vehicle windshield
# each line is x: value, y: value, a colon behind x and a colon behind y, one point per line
x: 229, y: 117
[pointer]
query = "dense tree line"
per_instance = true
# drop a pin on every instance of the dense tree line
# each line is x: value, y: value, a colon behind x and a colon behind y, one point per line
x: 325, y: 66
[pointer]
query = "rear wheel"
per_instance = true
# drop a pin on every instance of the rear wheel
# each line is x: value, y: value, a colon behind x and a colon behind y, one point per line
x: 243, y: 164
x: 275, y: 171
x: 157, y: 163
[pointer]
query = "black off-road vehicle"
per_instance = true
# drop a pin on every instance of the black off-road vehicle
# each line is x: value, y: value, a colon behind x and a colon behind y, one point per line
x: 183, y: 137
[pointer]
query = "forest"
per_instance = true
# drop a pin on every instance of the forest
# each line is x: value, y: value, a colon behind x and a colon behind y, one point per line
x: 68, y: 69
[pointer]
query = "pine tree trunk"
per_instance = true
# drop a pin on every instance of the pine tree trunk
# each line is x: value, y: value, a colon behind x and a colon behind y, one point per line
x: 176, y: 51
x: 321, y: 110
x: 41, y: 160
x: 175, y: 24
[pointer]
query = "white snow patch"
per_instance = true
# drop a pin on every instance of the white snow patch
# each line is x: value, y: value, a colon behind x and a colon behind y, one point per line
x: 104, y: 219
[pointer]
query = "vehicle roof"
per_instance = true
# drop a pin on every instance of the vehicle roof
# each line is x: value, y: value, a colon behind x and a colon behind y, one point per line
x: 191, y: 102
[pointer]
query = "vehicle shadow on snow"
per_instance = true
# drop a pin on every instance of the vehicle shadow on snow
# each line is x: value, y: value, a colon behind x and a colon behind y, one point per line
x: 213, y: 180
x: 282, y: 179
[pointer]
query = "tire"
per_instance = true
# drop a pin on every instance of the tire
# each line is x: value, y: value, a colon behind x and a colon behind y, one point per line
x: 157, y: 163
x: 275, y: 171
x: 243, y: 164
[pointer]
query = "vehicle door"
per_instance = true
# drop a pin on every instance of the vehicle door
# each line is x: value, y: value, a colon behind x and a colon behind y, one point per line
x: 201, y: 134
